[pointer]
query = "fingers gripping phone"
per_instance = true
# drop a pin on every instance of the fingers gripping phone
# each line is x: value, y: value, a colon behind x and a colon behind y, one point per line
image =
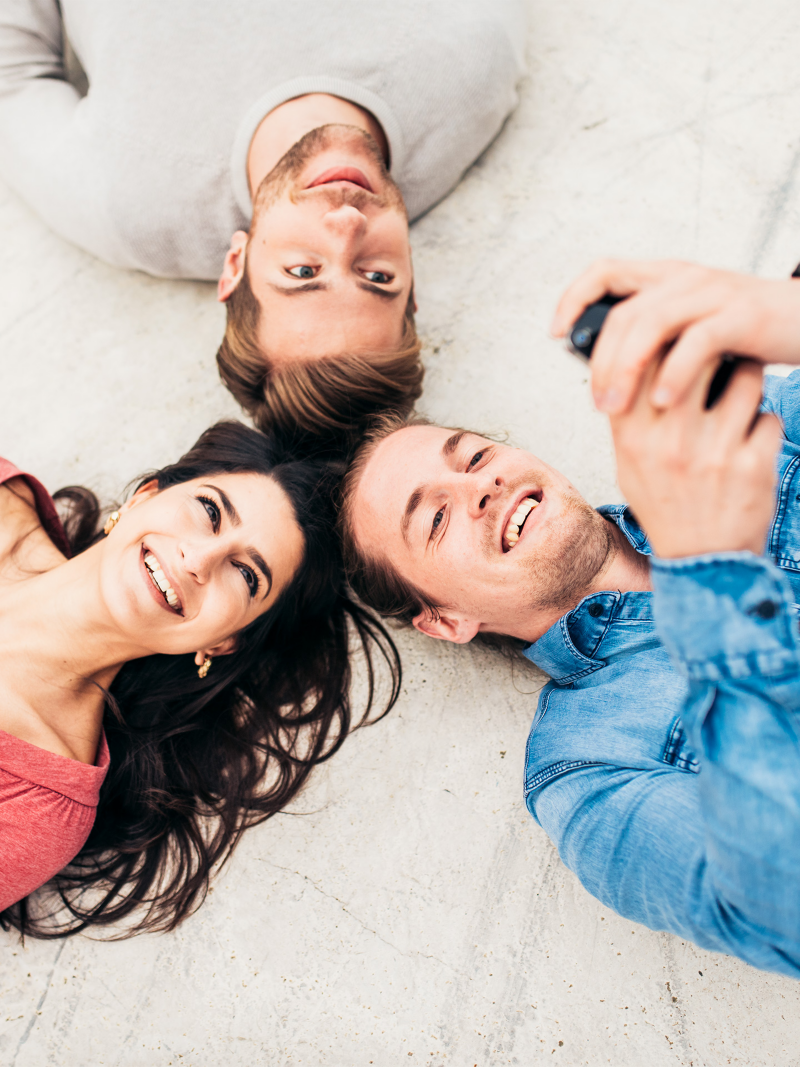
x: 586, y: 329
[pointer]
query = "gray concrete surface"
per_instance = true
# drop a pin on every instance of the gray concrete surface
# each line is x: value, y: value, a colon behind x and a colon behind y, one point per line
x: 414, y: 913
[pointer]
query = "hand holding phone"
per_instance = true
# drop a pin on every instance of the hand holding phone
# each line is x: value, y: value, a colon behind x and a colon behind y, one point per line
x: 703, y: 314
x: 586, y: 329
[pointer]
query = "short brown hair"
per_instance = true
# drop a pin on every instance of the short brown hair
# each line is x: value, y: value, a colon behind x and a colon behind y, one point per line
x: 325, y: 401
x: 374, y: 580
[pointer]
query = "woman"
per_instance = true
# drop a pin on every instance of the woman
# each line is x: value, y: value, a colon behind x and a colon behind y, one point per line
x: 180, y: 672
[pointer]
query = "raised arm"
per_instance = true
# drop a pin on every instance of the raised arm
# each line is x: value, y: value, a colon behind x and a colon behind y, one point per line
x: 47, y: 155
x: 714, y: 857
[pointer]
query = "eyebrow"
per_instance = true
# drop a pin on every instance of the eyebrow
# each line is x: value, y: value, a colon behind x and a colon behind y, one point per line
x: 293, y: 290
x: 235, y: 520
x: 387, y: 294
x: 416, y: 498
x: 414, y: 502
x: 263, y: 566
x: 316, y: 287
x: 452, y: 443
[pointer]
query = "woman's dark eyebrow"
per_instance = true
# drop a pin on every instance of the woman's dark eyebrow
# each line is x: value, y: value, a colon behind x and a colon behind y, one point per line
x: 263, y: 566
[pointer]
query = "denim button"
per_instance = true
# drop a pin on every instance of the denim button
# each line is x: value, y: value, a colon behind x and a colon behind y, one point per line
x: 595, y: 610
x: 767, y: 609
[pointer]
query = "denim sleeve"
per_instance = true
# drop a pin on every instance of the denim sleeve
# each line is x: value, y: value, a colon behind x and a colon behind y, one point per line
x: 729, y: 624
x: 782, y: 396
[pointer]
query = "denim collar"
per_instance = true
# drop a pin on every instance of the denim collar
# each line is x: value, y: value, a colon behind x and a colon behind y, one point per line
x: 567, y: 651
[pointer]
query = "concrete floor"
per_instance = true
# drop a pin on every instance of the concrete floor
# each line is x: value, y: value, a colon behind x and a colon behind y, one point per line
x: 414, y: 913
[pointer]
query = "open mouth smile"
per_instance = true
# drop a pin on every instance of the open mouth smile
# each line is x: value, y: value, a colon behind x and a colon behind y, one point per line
x: 519, y: 516
x: 160, y: 581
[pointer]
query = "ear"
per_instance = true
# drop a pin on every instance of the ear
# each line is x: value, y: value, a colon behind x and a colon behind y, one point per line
x: 455, y: 628
x: 144, y: 492
x: 233, y: 269
x: 224, y: 648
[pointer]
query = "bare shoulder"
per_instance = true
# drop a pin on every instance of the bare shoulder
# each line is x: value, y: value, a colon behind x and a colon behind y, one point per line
x: 24, y: 544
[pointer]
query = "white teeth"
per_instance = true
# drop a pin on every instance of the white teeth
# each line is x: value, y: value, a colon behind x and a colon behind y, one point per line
x: 160, y: 580
x: 524, y: 508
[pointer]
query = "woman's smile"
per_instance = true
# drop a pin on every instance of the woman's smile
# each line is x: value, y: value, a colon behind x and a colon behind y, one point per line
x: 161, y: 588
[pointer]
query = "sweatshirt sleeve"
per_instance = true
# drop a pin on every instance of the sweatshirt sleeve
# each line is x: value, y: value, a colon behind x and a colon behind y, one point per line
x: 47, y: 153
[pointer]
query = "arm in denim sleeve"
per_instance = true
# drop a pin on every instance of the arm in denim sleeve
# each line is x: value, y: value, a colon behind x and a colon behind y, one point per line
x: 636, y: 840
x: 46, y: 155
x: 728, y: 622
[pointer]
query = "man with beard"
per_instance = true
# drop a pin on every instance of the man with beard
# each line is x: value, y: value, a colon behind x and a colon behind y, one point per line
x: 664, y: 756
x: 278, y: 124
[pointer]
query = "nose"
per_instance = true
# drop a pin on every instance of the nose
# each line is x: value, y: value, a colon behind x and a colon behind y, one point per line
x: 345, y: 222
x: 485, y: 490
x: 199, y: 559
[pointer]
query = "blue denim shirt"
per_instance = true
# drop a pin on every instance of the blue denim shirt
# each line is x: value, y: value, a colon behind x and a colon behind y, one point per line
x: 664, y: 758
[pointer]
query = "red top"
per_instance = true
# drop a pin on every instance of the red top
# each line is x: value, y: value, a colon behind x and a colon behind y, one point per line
x: 47, y: 802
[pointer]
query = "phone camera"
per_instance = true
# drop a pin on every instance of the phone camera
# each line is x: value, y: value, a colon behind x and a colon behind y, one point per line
x: 581, y: 337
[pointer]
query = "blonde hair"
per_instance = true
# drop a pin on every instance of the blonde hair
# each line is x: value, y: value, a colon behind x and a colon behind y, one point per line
x: 327, y: 401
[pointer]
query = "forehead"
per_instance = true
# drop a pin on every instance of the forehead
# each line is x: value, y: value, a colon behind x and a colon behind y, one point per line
x: 402, y: 463
x: 317, y: 324
x: 250, y: 493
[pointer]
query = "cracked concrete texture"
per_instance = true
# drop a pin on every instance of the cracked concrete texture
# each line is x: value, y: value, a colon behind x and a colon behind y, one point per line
x: 409, y: 910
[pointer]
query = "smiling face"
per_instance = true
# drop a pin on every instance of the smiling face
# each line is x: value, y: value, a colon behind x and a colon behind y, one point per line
x: 328, y: 255
x: 498, y: 539
x: 187, y: 568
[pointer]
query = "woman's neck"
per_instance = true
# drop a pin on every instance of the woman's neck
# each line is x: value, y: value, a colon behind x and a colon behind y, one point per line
x: 59, y: 652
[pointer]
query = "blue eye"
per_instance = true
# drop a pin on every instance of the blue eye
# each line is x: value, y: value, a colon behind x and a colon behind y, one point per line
x: 475, y: 459
x: 378, y: 277
x: 302, y: 272
x: 437, y: 521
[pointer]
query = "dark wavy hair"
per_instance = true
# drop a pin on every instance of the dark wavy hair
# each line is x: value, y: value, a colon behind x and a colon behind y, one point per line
x: 195, y: 762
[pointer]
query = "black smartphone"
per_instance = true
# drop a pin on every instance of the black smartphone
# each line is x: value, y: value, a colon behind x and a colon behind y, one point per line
x: 586, y: 329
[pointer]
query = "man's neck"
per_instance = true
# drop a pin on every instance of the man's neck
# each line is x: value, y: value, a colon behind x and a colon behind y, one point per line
x: 286, y: 124
x: 624, y: 570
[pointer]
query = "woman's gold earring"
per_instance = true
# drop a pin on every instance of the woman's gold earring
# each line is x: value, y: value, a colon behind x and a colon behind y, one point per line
x: 111, y: 522
x: 204, y: 668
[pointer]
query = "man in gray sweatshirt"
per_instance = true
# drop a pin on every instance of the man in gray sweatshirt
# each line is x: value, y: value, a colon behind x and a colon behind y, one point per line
x: 278, y: 147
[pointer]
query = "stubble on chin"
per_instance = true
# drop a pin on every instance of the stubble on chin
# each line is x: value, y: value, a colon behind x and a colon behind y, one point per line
x: 581, y: 545
x: 284, y: 176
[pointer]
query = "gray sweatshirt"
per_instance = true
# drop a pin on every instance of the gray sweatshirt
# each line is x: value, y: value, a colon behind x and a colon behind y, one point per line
x: 148, y: 170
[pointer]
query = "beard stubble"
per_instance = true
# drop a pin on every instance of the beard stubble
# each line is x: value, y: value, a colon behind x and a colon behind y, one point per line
x: 561, y: 573
x: 283, y: 177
